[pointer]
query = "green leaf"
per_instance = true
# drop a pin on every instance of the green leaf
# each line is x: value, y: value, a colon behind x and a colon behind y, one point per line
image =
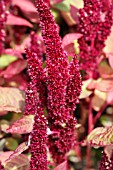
x: 9, y: 142
x: 63, y: 6
x: 5, y: 60
x: 106, y: 120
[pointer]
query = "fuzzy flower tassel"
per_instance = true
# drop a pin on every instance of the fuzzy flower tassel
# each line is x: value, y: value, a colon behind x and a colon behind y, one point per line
x: 60, y: 118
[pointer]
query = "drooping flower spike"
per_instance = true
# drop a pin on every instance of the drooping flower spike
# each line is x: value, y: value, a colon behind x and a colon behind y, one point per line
x: 2, y: 22
x: 35, y: 101
x: 95, y: 25
x: 59, y: 117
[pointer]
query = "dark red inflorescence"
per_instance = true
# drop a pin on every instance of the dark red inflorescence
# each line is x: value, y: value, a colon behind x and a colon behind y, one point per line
x: 59, y: 117
x: 35, y: 101
x: 36, y: 45
x: 74, y: 85
x: 2, y: 22
x: 106, y: 163
x: 95, y: 25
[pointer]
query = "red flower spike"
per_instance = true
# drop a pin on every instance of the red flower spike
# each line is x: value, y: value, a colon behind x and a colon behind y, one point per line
x: 74, y: 85
x: 95, y: 30
x: 36, y: 45
x: 59, y: 117
x: 37, y: 83
x: 2, y: 22
x: 105, y: 163
x: 35, y: 98
x: 38, y: 141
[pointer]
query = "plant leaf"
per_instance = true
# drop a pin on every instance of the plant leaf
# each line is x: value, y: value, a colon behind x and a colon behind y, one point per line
x: 85, y: 92
x: 63, y: 6
x: 101, y: 136
x: 14, y: 68
x: 9, y: 142
x: 105, y: 85
x: 70, y: 38
x: 11, y: 99
x: 20, y: 162
x: 98, y: 100
x: 21, y: 148
x: 6, y: 59
x: 22, y: 126
x: 4, y: 156
x: 15, y: 20
x: 62, y: 166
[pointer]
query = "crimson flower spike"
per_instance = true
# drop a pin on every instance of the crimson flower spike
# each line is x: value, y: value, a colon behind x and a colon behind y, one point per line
x: 106, y: 163
x: 59, y: 117
x: 74, y: 85
x: 95, y: 30
x: 2, y: 22
x: 35, y: 101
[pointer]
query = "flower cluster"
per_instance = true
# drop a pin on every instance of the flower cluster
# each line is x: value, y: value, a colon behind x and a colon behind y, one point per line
x: 106, y: 163
x: 95, y: 25
x: 35, y: 100
x: 56, y: 88
x: 61, y: 79
x: 36, y: 45
x: 73, y: 87
x: 2, y: 21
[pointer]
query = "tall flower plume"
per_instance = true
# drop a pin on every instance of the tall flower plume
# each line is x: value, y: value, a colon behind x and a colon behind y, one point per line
x: 35, y: 98
x: 59, y: 116
x: 2, y: 22
x: 95, y: 25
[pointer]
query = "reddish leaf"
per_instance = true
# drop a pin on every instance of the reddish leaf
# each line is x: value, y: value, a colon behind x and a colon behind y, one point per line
x: 25, y: 5
x: 17, y: 81
x: 74, y: 12
x: 15, y: 20
x: 14, y: 68
x: 14, y: 53
x: 28, y: 9
x: 110, y: 58
x: 101, y: 136
x: 4, y: 156
x: 98, y: 100
x: 21, y: 148
x: 109, y: 46
x: 62, y: 166
x: 11, y: 99
x: 20, y: 162
x: 69, y: 38
x: 105, y: 70
x: 22, y: 126
x: 110, y: 98
x: 105, y: 85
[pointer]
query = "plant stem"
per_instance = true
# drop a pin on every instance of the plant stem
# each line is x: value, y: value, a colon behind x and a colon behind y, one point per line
x: 99, y: 113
